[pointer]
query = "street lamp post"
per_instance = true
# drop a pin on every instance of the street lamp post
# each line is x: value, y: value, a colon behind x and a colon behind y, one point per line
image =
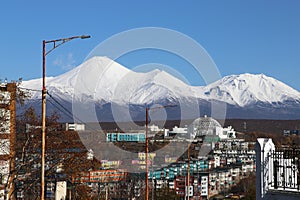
x: 146, y: 152
x: 147, y: 145
x: 56, y: 43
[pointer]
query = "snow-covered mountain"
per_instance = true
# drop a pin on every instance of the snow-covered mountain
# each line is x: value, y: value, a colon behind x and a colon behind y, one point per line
x: 105, y: 82
x: 103, y: 79
x: 247, y: 89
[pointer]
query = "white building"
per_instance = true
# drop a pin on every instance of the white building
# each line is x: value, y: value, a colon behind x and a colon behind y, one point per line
x: 225, y: 133
x: 61, y: 190
x: 154, y: 128
x: 203, y: 126
x: 207, y: 126
x: 74, y: 127
x: 204, y: 185
x: 178, y: 132
x: 233, y: 151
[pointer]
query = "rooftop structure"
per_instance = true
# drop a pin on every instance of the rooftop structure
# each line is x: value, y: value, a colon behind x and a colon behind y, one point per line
x: 125, y: 137
x: 207, y: 126
x: 204, y: 126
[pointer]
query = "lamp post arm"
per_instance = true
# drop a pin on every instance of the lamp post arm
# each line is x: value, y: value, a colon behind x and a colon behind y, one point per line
x: 61, y: 41
x: 44, y: 92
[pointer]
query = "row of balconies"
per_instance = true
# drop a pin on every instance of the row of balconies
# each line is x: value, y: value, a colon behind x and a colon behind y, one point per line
x: 235, y: 152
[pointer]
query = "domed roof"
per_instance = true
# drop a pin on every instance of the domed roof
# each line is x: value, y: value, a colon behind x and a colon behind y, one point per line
x: 204, y: 126
x: 206, y: 122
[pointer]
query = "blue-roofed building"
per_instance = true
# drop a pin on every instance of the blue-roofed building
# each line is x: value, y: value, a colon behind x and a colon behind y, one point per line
x: 125, y: 137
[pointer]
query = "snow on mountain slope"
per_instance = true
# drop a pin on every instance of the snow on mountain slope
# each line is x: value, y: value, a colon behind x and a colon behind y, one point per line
x: 246, y: 89
x: 101, y: 79
x: 141, y: 88
x: 80, y: 79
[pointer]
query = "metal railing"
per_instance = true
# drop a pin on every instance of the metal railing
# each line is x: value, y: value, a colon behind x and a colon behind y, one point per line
x: 286, y: 168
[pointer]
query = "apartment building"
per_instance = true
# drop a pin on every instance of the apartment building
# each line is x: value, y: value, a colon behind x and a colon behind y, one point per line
x: 7, y: 139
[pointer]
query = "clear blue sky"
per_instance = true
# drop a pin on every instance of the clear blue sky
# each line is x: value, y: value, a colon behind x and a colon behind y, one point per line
x: 241, y: 36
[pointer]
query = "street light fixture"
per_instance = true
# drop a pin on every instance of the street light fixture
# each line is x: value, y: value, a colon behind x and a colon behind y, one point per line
x: 56, y: 43
x: 147, y: 144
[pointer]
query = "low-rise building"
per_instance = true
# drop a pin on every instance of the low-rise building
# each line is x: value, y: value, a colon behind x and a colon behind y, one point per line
x: 74, y: 127
x: 178, y: 132
x: 125, y: 137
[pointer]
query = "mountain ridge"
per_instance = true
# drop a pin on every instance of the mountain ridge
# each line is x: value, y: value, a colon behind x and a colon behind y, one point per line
x: 103, y: 81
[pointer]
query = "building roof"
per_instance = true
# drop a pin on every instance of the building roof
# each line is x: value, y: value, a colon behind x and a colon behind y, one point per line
x: 206, y: 122
x: 204, y: 126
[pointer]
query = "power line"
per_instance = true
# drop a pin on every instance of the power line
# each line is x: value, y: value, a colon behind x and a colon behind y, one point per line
x: 30, y: 89
x: 61, y: 107
x: 67, y: 112
x: 58, y: 108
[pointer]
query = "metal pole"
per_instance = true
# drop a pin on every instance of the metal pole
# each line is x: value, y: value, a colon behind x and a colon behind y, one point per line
x: 44, y: 91
x: 146, y: 152
x: 98, y: 190
x: 106, y: 192
x: 147, y: 145
x: 152, y: 181
x: 188, y: 174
